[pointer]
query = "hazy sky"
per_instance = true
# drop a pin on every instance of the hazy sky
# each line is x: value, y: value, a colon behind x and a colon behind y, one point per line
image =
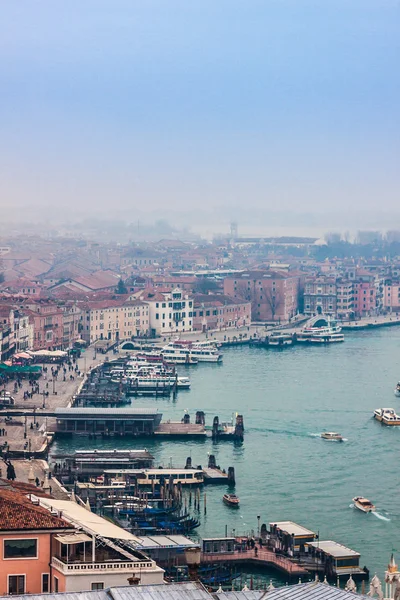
x: 282, y: 104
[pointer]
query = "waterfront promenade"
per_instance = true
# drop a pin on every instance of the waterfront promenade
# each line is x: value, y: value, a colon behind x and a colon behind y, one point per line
x: 29, y: 434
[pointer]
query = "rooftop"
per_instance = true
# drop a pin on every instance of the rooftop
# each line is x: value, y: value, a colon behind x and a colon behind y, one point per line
x: 334, y: 549
x: 90, y: 522
x: 292, y: 528
x: 17, y: 512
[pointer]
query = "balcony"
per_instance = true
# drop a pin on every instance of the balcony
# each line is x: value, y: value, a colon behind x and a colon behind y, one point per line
x: 109, y: 566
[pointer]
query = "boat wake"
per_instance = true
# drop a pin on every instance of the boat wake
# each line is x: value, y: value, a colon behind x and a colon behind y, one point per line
x: 381, y: 517
x: 376, y: 514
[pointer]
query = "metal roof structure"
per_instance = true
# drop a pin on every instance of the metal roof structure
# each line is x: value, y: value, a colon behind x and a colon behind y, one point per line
x: 196, y: 591
x: 301, y: 591
x: 85, y: 519
x: 173, y: 591
x: 116, y: 412
x: 333, y: 549
x: 164, y: 541
x: 292, y: 528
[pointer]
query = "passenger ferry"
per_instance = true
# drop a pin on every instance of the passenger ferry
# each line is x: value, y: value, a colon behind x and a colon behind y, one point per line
x: 152, y: 378
x: 321, y: 331
x: 206, y: 351
x: 280, y: 340
x: 202, y: 351
x: 387, y: 416
x: 178, y: 354
x: 148, y: 477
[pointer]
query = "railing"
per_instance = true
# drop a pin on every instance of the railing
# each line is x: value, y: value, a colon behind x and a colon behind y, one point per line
x: 65, y: 567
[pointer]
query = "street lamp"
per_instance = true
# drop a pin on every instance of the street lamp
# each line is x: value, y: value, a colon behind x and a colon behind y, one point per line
x: 44, y: 398
x: 54, y: 385
x: 258, y: 525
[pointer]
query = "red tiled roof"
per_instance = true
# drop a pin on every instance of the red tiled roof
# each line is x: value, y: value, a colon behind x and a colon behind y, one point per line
x: 18, y: 513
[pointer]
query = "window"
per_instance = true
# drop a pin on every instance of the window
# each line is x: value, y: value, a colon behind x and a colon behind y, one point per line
x: 55, y: 584
x: 157, y: 316
x: 19, y: 548
x: 45, y: 583
x: 97, y: 585
x: 16, y: 584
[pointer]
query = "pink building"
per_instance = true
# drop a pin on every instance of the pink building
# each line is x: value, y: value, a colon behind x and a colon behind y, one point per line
x: 48, y: 326
x: 218, y: 312
x: 273, y: 294
x: 391, y: 295
x: 364, y: 298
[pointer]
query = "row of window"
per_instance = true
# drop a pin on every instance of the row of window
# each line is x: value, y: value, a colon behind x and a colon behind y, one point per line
x: 17, y: 584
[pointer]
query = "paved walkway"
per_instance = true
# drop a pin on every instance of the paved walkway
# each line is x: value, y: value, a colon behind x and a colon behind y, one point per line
x: 29, y: 433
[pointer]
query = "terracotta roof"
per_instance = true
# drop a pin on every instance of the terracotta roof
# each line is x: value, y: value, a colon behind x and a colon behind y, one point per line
x: 17, y: 512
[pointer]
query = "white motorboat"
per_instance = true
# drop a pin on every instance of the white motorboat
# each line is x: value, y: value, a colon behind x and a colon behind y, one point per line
x: 364, y: 504
x: 387, y: 416
x: 397, y: 390
x: 332, y: 435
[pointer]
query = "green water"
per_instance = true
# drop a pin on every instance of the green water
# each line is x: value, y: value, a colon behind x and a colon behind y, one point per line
x: 284, y: 471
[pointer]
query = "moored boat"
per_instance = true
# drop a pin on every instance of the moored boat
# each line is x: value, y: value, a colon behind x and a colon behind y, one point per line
x: 397, y: 390
x: 280, y: 340
x: 364, y: 504
x: 231, y: 500
x: 332, y: 435
x: 321, y: 330
x: 387, y: 416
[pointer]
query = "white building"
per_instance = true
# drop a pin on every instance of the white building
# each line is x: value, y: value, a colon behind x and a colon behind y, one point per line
x: 169, y: 312
x: 115, y: 320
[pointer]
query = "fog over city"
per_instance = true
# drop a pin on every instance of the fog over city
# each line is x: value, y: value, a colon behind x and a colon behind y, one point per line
x: 277, y: 114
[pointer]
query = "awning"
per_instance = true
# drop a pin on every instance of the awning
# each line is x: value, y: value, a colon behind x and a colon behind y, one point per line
x: 73, y: 538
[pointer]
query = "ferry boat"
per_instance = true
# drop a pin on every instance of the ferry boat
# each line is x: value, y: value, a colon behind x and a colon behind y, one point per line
x: 203, y: 351
x: 322, y: 330
x: 231, y: 500
x: 332, y: 435
x: 178, y: 354
x: 387, y: 416
x: 397, y: 390
x: 150, y: 477
x: 280, y: 340
x: 364, y: 504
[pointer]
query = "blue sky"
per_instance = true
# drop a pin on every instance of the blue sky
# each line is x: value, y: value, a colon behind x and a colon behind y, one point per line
x: 289, y: 104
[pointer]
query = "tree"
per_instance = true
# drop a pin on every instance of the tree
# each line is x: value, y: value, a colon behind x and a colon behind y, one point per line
x: 249, y: 293
x: 205, y: 286
x: 274, y: 301
x: 121, y: 288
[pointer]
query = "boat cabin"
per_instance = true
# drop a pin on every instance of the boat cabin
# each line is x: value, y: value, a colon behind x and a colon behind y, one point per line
x: 337, y: 559
x: 290, y: 537
x: 224, y: 545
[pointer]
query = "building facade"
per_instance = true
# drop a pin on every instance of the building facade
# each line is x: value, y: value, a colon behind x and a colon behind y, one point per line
x: 273, y: 295
x: 320, y: 294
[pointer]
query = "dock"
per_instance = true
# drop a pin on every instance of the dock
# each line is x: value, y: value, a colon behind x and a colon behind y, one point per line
x: 263, y: 558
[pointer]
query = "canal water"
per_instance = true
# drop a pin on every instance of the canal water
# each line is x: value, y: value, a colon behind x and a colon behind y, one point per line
x: 284, y: 470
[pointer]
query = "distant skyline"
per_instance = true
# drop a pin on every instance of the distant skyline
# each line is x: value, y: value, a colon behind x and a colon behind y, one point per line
x: 208, y: 107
